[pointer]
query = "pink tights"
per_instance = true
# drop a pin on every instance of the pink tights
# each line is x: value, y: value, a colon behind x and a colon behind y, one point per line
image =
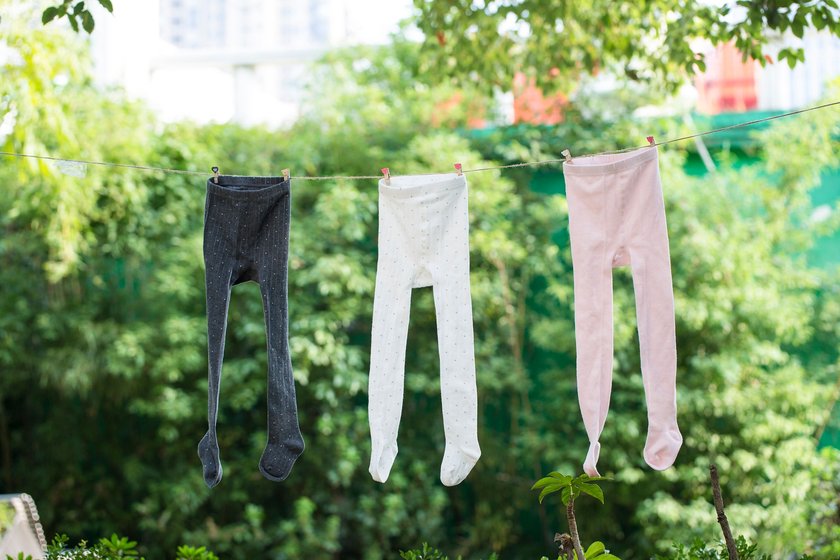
x: 617, y: 218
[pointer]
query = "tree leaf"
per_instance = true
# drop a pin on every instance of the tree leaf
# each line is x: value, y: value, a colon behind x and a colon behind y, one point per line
x: 73, y: 23
x: 550, y: 490
x: 561, y: 478
x: 797, y: 27
x: 595, y: 549
x: 592, y: 489
x: 543, y: 482
x: 107, y: 5
x: 587, y: 478
x: 87, y: 21
x: 49, y: 14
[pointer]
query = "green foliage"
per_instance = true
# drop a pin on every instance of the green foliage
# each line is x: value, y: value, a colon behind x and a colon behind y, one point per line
x: 569, y: 488
x: 76, y: 13
x: 113, y: 548
x: 427, y: 552
x: 424, y: 553
x: 118, y: 547
x: 20, y: 556
x: 598, y: 551
x: 701, y: 551
x: 644, y: 41
x: 193, y: 553
x: 103, y: 334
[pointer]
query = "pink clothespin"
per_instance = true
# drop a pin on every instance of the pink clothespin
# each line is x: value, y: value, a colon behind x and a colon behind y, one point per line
x: 459, y: 169
x: 387, y: 173
x: 651, y: 141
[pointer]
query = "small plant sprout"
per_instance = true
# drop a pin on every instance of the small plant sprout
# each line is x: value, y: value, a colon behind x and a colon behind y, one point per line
x: 571, y: 488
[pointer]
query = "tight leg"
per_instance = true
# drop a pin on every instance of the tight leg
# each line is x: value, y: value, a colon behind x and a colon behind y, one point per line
x: 650, y: 263
x: 391, y: 307
x: 285, y: 442
x: 453, y: 306
x: 591, y: 211
x: 457, y: 377
x: 594, y: 342
x: 218, y: 285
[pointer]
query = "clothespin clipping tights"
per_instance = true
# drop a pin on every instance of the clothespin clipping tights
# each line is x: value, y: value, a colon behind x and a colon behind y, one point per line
x: 286, y: 174
x: 651, y: 141
x: 387, y: 173
x: 568, y: 155
x: 459, y: 169
x: 215, y: 174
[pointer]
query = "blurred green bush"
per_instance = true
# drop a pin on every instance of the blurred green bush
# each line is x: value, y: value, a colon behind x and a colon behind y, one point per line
x: 103, y: 352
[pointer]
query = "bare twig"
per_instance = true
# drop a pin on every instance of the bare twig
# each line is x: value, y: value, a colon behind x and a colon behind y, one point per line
x: 570, y: 514
x: 721, y: 515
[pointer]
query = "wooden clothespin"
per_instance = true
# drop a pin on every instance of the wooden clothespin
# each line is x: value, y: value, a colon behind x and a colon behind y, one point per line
x: 286, y: 173
x: 215, y: 174
x: 568, y: 155
x: 459, y: 170
x: 387, y: 173
x: 651, y: 141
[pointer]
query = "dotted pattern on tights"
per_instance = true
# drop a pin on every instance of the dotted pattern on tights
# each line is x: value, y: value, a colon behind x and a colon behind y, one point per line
x: 246, y: 238
x: 424, y: 241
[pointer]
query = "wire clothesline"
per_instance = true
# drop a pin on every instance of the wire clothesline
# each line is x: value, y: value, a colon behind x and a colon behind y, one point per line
x: 475, y: 170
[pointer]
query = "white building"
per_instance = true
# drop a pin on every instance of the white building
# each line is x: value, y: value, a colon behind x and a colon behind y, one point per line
x: 783, y: 88
x: 230, y: 60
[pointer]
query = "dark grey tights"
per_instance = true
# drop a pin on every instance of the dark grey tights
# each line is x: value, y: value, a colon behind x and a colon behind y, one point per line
x: 246, y: 238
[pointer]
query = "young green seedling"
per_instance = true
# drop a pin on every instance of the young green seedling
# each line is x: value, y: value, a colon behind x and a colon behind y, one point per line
x: 570, y: 489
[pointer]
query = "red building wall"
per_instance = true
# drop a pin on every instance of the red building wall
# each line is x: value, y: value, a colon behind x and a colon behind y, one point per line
x: 728, y: 84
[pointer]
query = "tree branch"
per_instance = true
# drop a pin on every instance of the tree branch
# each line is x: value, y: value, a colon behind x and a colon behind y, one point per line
x: 570, y: 515
x: 721, y: 515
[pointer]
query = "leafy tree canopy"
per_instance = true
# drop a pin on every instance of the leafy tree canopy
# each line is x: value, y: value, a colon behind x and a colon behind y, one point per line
x: 558, y: 41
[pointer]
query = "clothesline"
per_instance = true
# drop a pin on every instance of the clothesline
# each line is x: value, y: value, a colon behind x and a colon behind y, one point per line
x: 476, y: 170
